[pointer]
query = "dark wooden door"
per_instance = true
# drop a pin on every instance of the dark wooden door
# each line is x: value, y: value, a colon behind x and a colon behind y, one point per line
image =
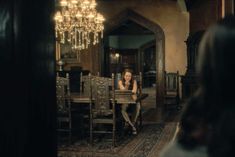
x: 120, y: 59
x: 28, y: 100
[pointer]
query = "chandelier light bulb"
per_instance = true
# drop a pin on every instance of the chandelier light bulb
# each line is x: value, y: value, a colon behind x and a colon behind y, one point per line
x: 86, y: 2
x: 63, y: 3
x: 78, y: 23
x: 78, y: 15
x: 74, y: 1
x: 93, y: 4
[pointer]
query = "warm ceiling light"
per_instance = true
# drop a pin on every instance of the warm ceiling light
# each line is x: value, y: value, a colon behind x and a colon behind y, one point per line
x: 77, y: 22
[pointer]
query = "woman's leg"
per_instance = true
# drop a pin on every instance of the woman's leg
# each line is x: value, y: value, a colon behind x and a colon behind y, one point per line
x: 136, y: 113
x: 125, y: 114
x: 127, y: 119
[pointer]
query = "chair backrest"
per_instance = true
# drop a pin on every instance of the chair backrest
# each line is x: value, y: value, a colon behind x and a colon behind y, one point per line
x: 63, y: 94
x: 172, y: 83
x: 85, y: 84
x: 102, y: 90
x: 118, y: 76
x: 138, y: 79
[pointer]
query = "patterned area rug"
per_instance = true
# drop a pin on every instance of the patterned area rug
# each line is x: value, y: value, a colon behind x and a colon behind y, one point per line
x: 148, y: 143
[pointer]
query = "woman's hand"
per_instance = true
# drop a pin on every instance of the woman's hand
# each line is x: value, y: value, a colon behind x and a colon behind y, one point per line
x: 127, y: 83
x: 121, y: 86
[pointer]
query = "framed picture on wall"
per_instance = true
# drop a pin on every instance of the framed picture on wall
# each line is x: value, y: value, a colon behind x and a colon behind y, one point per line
x: 67, y: 54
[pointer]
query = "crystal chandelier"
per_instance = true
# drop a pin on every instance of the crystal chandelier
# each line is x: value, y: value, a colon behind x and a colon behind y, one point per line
x: 78, y: 23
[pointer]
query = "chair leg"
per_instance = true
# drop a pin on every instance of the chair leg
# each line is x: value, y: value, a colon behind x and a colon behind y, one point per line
x: 70, y: 137
x: 70, y: 131
x: 114, y: 138
x: 91, y: 125
x: 91, y: 133
x: 141, y: 118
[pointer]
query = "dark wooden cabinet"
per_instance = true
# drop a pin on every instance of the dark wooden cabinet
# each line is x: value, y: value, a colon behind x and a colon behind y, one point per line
x: 189, y: 80
x: 149, y: 66
x: 120, y: 59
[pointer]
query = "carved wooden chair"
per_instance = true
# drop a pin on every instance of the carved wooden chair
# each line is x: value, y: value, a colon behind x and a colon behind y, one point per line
x: 171, y: 98
x: 85, y: 85
x: 86, y: 97
x: 103, y: 110
x: 64, y: 119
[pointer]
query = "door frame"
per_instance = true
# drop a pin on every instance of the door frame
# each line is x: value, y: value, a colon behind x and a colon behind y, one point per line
x: 158, y: 32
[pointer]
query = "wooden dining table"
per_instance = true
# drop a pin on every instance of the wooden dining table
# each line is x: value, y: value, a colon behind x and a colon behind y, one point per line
x: 120, y: 97
x: 80, y: 98
x: 80, y: 101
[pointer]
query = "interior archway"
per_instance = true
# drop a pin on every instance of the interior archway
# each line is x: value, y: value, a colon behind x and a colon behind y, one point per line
x: 129, y: 14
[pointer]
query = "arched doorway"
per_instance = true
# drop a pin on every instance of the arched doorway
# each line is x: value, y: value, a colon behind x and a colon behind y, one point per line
x: 130, y: 15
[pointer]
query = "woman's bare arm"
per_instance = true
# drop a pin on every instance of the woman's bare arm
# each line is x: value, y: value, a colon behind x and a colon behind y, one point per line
x: 134, y: 90
x: 120, y: 85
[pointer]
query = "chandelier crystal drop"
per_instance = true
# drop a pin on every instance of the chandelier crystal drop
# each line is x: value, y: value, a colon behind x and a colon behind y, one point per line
x: 78, y: 23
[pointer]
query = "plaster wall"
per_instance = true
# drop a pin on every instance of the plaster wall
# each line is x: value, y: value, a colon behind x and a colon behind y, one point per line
x: 167, y: 14
x: 174, y: 22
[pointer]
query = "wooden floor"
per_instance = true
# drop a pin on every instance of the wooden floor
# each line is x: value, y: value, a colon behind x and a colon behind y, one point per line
x: 172, y: 119
x: 149, y: 106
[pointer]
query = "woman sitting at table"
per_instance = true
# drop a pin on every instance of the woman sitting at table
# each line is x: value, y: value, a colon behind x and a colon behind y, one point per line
x: 128, y: 83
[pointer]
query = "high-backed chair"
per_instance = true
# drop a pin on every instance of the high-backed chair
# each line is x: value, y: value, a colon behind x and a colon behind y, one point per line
x: 103, y: 110
x: 85, y: 85
x: 64, y: 119
x: 171, y: 98
x: 86, y: 98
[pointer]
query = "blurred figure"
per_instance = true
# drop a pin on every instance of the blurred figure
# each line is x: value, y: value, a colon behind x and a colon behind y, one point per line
x: 216, y: 69
x: 207, y: 124
x: 191, y: 140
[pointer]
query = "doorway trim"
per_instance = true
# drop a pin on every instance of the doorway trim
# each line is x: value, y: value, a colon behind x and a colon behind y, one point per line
x: 129, y: 14
x: 141, y: 52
